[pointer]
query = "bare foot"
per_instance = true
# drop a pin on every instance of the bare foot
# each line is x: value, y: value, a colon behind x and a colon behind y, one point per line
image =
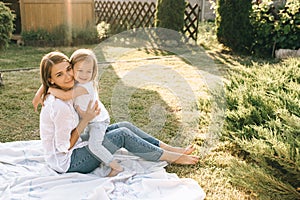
x: 187, y: 159
x: 188, y: 150
x: 113, y: 172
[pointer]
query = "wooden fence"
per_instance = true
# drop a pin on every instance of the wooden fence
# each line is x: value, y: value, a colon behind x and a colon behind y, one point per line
x: 125, y: 15
x: 49, y: 14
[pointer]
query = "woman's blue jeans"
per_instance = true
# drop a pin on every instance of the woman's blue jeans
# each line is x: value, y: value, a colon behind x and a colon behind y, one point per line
x: 118, y: 135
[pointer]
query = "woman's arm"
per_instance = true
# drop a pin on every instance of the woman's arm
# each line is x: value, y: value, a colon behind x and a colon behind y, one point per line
x: 65, y: 134
x: 67, y: 95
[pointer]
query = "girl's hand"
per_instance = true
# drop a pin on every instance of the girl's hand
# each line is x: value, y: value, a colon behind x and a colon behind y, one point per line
x: 36, y: 101
x: 91, y: 112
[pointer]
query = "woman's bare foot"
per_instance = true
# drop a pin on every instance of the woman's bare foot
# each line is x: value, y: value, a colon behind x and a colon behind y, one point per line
x: 187, y: 160
x: 187, y: 151
x: 179, y: 158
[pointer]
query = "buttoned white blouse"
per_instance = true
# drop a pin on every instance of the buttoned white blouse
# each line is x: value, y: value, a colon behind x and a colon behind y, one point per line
x: 57, y: 120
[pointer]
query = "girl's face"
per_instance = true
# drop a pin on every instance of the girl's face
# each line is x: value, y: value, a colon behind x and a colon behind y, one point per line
x: 83, y: 71
x: 62, y: 75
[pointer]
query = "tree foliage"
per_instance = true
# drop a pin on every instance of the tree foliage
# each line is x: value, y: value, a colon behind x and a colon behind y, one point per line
x: 234, y: 29
x: 275, y: 26
x: 170, y: 14
x: 6, y: 25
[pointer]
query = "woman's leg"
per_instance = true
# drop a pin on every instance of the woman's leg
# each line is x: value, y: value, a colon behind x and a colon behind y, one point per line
x: 124, y: 137
x: 83, y: 161
x: 135, y: 130
x: 188, y: 150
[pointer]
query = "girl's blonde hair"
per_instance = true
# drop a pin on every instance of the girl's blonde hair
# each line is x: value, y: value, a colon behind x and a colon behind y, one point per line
x: 47, y: 62
x: 88, y: 55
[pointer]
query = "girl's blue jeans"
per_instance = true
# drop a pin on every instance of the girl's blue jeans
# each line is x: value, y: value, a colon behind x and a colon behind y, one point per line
x: 118, y: 135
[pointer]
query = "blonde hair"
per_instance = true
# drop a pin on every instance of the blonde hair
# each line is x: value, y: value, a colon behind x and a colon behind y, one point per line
x: 47, y: 62
x: 86, y: 54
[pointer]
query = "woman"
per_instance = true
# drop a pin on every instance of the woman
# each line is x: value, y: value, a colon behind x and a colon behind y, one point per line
x: 60, y: 127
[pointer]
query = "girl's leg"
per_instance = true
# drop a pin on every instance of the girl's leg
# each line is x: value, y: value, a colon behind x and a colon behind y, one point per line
x: 188, y: 150
x: 97, y: 132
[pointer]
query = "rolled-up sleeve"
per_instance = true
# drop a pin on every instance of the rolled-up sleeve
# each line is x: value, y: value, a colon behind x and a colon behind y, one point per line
x: 64, y: 124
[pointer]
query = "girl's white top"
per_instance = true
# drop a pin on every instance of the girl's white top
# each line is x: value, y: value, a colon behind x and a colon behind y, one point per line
x: 57, y: 120
x: 83, y: 100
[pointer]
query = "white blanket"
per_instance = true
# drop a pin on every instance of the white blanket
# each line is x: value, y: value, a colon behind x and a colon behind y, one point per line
x: 25, y: 175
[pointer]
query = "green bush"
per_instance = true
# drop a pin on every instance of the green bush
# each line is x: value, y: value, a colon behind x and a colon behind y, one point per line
x: 233, y: 24
x: 85, y: 36
x: 59, y: 36
x: 6, y: 25
x: 275, y: 27
x: 263, y: 120
x: 42, y: 37
x: 170, y: 14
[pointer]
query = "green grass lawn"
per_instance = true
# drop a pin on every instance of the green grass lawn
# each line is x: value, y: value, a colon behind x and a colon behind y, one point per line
x: 259, y: 141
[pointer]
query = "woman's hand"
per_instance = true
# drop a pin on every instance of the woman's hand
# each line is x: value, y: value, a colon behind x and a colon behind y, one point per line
x: 86, y: 116
x: 91, y: 112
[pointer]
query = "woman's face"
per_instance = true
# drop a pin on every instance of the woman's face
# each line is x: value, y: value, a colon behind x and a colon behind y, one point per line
x: 62, y: 75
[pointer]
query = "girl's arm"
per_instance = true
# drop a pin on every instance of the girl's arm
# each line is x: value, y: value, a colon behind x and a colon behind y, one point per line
x: 68, y: 95
x: 37, y: 99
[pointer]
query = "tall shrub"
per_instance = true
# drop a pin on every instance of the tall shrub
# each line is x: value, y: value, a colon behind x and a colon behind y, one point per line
x: 263, y: 121
x: 170, y: 14
x: 275, y: 26
x: 6, y: 25
x: 234, y: 29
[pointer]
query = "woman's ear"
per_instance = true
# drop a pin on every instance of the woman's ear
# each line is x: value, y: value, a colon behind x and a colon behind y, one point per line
x: 51, y: 82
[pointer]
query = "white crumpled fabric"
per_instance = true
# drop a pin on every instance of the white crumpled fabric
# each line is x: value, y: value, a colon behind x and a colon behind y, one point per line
x: 25, y: 175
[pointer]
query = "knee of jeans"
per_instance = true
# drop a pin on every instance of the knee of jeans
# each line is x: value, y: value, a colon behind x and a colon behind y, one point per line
x: 125, y: 124
x: 125, y: 131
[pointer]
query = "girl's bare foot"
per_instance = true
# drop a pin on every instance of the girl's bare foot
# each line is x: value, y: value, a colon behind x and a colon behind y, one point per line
x: 113, y: 172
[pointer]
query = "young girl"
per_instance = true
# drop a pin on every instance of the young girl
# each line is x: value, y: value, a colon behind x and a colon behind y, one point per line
x: 85, y: 68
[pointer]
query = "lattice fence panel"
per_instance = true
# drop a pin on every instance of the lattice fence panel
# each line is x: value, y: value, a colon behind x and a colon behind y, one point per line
x: 125, y: 15
x: 122, y: 15
x: 191, y: 20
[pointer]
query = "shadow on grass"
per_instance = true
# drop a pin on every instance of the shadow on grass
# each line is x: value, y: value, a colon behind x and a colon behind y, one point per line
x: 227, y: 58
x: 140, y: 106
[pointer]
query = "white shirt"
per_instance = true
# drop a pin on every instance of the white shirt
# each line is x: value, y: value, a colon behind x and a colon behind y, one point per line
x: 57, y: 120
x: 101, y: 120
x: 83, y: 100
